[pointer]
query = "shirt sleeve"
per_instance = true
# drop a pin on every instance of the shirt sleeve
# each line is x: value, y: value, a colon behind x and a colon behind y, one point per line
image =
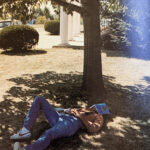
x: 93, y: 124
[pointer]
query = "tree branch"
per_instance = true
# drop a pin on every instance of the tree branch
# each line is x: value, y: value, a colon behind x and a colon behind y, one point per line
x: 69, y: 5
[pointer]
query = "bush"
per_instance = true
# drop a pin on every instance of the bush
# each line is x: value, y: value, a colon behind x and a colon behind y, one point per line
x: 52, y: 26
x: 107, y: 41
x: 18, y: 37
x: 41, y: 20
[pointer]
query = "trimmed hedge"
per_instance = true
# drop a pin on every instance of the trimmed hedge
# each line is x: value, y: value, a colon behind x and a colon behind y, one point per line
x: 18, y: 37
x: 52, y: 26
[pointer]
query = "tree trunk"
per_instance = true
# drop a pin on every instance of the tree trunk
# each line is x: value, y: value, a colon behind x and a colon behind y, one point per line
x: 92, y: 74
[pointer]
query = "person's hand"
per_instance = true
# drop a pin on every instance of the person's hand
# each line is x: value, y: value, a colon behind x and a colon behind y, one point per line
x: 93, y: 108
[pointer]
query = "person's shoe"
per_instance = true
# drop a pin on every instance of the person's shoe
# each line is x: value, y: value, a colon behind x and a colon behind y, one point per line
x: 21, y: 135
x: 17, y: 146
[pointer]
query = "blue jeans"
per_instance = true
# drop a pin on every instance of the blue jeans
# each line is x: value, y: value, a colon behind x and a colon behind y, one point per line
x: 62, y: 125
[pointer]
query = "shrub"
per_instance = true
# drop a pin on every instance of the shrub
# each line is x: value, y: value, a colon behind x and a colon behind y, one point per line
x: 41, y: 20
x: 18, y: 37
x: 107, y: 41
x: 52, y: 26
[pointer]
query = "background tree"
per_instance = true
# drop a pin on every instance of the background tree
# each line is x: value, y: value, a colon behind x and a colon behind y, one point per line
x: 56, y: 10
x: 43, y: 12
x: 38, y: 12
x: 114, y: 38
x: 137, y: 15
x: 47, y: 14
x: 20, y: 10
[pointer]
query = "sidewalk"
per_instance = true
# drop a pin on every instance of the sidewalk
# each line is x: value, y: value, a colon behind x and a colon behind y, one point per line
x: 47, y: 41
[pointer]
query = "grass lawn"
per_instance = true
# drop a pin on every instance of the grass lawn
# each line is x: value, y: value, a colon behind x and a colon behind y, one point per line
x: 56, y: 74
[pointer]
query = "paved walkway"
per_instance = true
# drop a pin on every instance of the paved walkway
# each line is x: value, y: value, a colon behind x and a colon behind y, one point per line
x: 47, y: 41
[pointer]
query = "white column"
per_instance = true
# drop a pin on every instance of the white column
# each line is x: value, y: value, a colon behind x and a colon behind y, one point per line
x: 76, y: 23
x: 63, y: 26
x: 70, y: 27
x: 78, y: 20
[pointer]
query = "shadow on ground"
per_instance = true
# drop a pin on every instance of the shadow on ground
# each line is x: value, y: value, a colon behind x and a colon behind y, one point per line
x: 147, y: 79
x: 126, y: 128
x: 125, y: 53
x: 24, y: 53
x: 74, y: 47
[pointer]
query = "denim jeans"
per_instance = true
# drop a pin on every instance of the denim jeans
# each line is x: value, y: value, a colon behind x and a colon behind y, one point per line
x: 62, y: 125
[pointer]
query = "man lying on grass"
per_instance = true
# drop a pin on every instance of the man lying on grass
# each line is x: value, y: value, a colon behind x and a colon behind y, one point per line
x: 62, y: 124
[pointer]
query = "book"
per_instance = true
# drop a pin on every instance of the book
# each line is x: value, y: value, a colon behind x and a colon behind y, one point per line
x: 101, y: 108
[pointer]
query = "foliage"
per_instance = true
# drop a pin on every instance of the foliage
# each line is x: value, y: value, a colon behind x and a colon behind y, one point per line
x: 18, y: 9
x: 137, y: 16
x: 41, y: 20
x: 56, y: 8
x: 47, y: 14
x: 119, y: 30
x: 115, y: 36
x: 38, y: 12
x: 52, y: 26
x: 24, y: 10
x: 18, y: 37
x: 129, y: 26
x: 110, y: 7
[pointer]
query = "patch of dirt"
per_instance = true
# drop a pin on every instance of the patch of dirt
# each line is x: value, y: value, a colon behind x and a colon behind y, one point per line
x: 56, y: 74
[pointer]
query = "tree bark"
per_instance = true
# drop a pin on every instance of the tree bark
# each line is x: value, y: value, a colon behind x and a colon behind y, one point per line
x: 92, y: 74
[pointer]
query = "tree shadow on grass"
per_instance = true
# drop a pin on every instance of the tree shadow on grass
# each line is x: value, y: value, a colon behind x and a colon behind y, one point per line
x: 115, y: 53
x: 127, y: 127
x: 24, y: 53
x: 147, y: 79
x: 74, y: 47
x: 64, y: 89
x: 127, y: 54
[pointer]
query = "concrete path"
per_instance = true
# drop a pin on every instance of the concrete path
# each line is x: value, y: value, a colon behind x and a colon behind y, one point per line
x: 48, y: 41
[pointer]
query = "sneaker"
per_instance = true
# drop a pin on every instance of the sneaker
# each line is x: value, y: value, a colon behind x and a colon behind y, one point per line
x: 17, y: 146
x: 21, y: 135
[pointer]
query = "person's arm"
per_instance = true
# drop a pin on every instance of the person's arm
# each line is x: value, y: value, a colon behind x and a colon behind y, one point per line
x: 93, y: 123
x: 59, y: 109
x: 62, y: 109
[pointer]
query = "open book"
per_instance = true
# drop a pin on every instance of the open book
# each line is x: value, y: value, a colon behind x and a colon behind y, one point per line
x: 101, y: 108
